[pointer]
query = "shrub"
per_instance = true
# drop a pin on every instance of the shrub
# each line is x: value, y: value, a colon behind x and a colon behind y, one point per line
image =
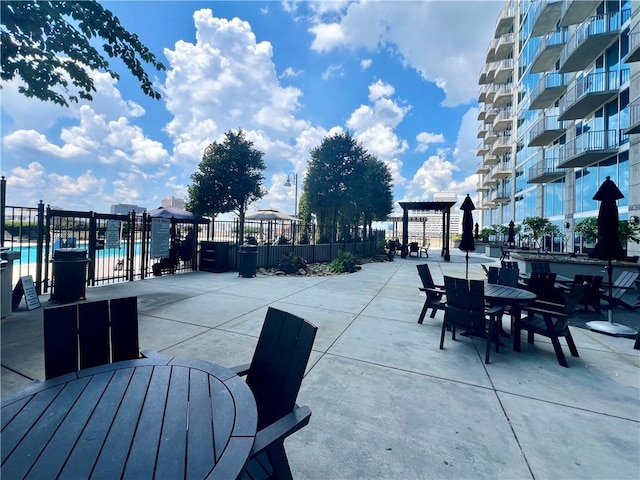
x: 345, y: 262
x: 291, y: 263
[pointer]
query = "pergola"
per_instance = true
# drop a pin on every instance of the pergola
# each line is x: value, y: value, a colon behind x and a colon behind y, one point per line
x: 444, y: 207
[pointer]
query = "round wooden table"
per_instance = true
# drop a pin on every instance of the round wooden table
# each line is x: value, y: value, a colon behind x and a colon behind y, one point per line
x: 148, y: 418
x: 511, y: 296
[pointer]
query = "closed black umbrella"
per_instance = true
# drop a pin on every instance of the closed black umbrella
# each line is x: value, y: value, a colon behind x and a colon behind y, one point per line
x: 467, y: 243
x: 476, y: 232
x: 512, y: 234
x: 609, y: 247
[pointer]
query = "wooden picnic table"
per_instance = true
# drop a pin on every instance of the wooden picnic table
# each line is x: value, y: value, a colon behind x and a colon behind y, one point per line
x: 146, y: 418
x: 511, y: 296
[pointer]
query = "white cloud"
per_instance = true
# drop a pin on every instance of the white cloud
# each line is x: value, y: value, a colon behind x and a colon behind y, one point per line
x: 289, y: 72
x: 365, y: 63
x: 447, y: 52
x: 425, y: 139
x: 332, y: 71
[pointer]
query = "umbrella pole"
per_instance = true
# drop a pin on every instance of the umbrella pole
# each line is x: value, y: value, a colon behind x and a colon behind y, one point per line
x: 467, y: 267
x: 608, y: 326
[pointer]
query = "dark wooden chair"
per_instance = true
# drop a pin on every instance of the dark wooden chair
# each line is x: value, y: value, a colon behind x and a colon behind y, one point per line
x: 544, y: 286
x: 504, y: 253
x: 509, y: 264
x: 168, y: 264
x: 550, y: 320
x: 89, y: 334
x: 433, y: 292
x: 274, y: 376
x: 393, y: 247
x: 503, y: 276
x: 414, y: 248
x: 621, y: 285
x: 591, y: 296
x: 466, y: 310
x: 542, y: 267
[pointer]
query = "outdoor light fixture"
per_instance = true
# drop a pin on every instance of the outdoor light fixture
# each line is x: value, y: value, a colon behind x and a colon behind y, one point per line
x: 288, y: 184
x: 567, y: 225
x: 634, y: 219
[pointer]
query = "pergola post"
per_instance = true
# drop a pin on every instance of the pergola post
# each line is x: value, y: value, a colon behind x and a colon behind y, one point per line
x: 444, y: 207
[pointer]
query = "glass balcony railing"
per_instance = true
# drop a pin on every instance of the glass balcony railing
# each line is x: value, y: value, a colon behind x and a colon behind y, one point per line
x: 597, y: 85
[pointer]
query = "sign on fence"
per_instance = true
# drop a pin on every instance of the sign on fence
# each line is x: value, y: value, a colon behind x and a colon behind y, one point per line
x: 160, y: 233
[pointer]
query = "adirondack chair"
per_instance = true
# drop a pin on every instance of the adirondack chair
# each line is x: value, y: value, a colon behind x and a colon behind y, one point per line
x: 433, y: 292
x: 542, y: 267
x: 509, y: 264
x: 466, y: 310
x: 504, y: 253
x: 591, y: 296
x: 414, y: 248
x: 621, y: 285
x: 543, y: 285
x: 89, y: 334
x: 274, y: 376
x: 550, y: 320
x: 503, y: 276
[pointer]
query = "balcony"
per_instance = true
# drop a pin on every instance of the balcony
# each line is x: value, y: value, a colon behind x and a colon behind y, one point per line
x: 500, y: 195
x: 482, y: 111
x: 634, y: 45
x: 503, y: 120
x: 491, y: 71
x: 482, y: 150
x: 482, y: 94
x: 504, y: 46
x: 502, y: 169
x: 490, y: 115
x: 589, y: 93
x: 589, y: 148
x: 502, y: 145
x: 491, y: 159
x: 505, y: 21
x: 481, y: 187
x: 548, y: 51
x: 482, y: 130
x: 489, y: 180
x: 482, y: 168
x: 545, y: 16
x: 491, y: 51
x: 546, y: 171
x: 491, y: 92
x: 503, y: 71
x: 590, y: 40
x: 634, y: 117
x: 549, y: 89
x: 545, y: 131
x: 503, y: 95
x: 482, y: 80
x: 575, y: 12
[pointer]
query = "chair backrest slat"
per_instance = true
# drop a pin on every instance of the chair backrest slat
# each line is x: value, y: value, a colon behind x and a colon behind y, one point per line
x: 90, y: 334
x: 93, y: 329
x: 624, y: 280
x: 465, y: 302
x: 425, y: 275
x: 61, y: 340
x: 278, y: 364
x: 124, y: 329
x: 542, y: 284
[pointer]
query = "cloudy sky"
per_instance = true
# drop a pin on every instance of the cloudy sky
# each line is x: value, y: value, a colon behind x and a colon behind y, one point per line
x: 400, y: 76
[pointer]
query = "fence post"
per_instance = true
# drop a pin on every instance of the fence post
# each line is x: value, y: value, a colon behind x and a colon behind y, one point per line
x: 131, y: 245
x: 40, y: 245
x: 93, y: 240
x: 3, y: 204
x: 47, y: 243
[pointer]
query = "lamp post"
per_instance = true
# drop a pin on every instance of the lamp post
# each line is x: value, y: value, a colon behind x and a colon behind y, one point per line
x: 295, y: 184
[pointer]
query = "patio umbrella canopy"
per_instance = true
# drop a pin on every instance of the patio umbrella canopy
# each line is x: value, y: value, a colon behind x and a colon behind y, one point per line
x: 467, y: 243
x: 176, y: 213
x: 609, y: 248
x: 511, y: 240
x: 269, y: 214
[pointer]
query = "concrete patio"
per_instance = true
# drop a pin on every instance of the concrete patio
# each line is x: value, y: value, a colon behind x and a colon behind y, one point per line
x: 386, y: 402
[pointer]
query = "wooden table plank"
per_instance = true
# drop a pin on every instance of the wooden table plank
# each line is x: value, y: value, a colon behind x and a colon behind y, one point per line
x: 200, y: 458
x: 92, y: 437
x: 173, y: 441
x: 22, y: 458
x: 221, y: 402
x: 9, y: 411
x: 59, y: 448
x: 144, y: 448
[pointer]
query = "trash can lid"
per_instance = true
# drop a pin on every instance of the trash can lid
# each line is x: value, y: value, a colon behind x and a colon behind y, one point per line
x: 70, y: 254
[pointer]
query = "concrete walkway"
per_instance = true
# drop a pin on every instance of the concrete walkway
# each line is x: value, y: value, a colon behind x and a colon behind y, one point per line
x: 386, y: 402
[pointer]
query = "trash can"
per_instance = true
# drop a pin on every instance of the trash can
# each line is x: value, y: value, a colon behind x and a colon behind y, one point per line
x: 69, y: 275
x: 248, y: 260
x: 6, y: 279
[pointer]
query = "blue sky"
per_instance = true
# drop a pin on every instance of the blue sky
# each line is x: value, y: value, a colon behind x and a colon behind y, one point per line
x: 400, y: 76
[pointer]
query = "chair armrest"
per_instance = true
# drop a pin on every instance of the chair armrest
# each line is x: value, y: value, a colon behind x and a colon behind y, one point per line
x: 495, y: 310
x: 279, y: 430
x: 433, y: 290
x: 240, y: 370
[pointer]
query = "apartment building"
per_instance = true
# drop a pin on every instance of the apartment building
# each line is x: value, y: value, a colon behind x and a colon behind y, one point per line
x: 559, y: 112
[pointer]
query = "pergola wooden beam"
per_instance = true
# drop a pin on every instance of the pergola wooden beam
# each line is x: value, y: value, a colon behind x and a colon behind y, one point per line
x: 444, y: 207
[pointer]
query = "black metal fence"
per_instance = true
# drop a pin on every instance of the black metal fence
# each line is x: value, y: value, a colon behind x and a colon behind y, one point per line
x: 34, y: 234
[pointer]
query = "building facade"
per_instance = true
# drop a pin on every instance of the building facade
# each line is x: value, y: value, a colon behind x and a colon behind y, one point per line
x: 172, y: 202
x: 559, y: 112
x: 126, y: 209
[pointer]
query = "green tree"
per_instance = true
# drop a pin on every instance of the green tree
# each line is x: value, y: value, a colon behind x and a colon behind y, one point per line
x: 588, y: 228
x: 377, y: 198
x: 47, y: 43
x: 335, y: 183
x: 538, y: 227
x: 229, y: 178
